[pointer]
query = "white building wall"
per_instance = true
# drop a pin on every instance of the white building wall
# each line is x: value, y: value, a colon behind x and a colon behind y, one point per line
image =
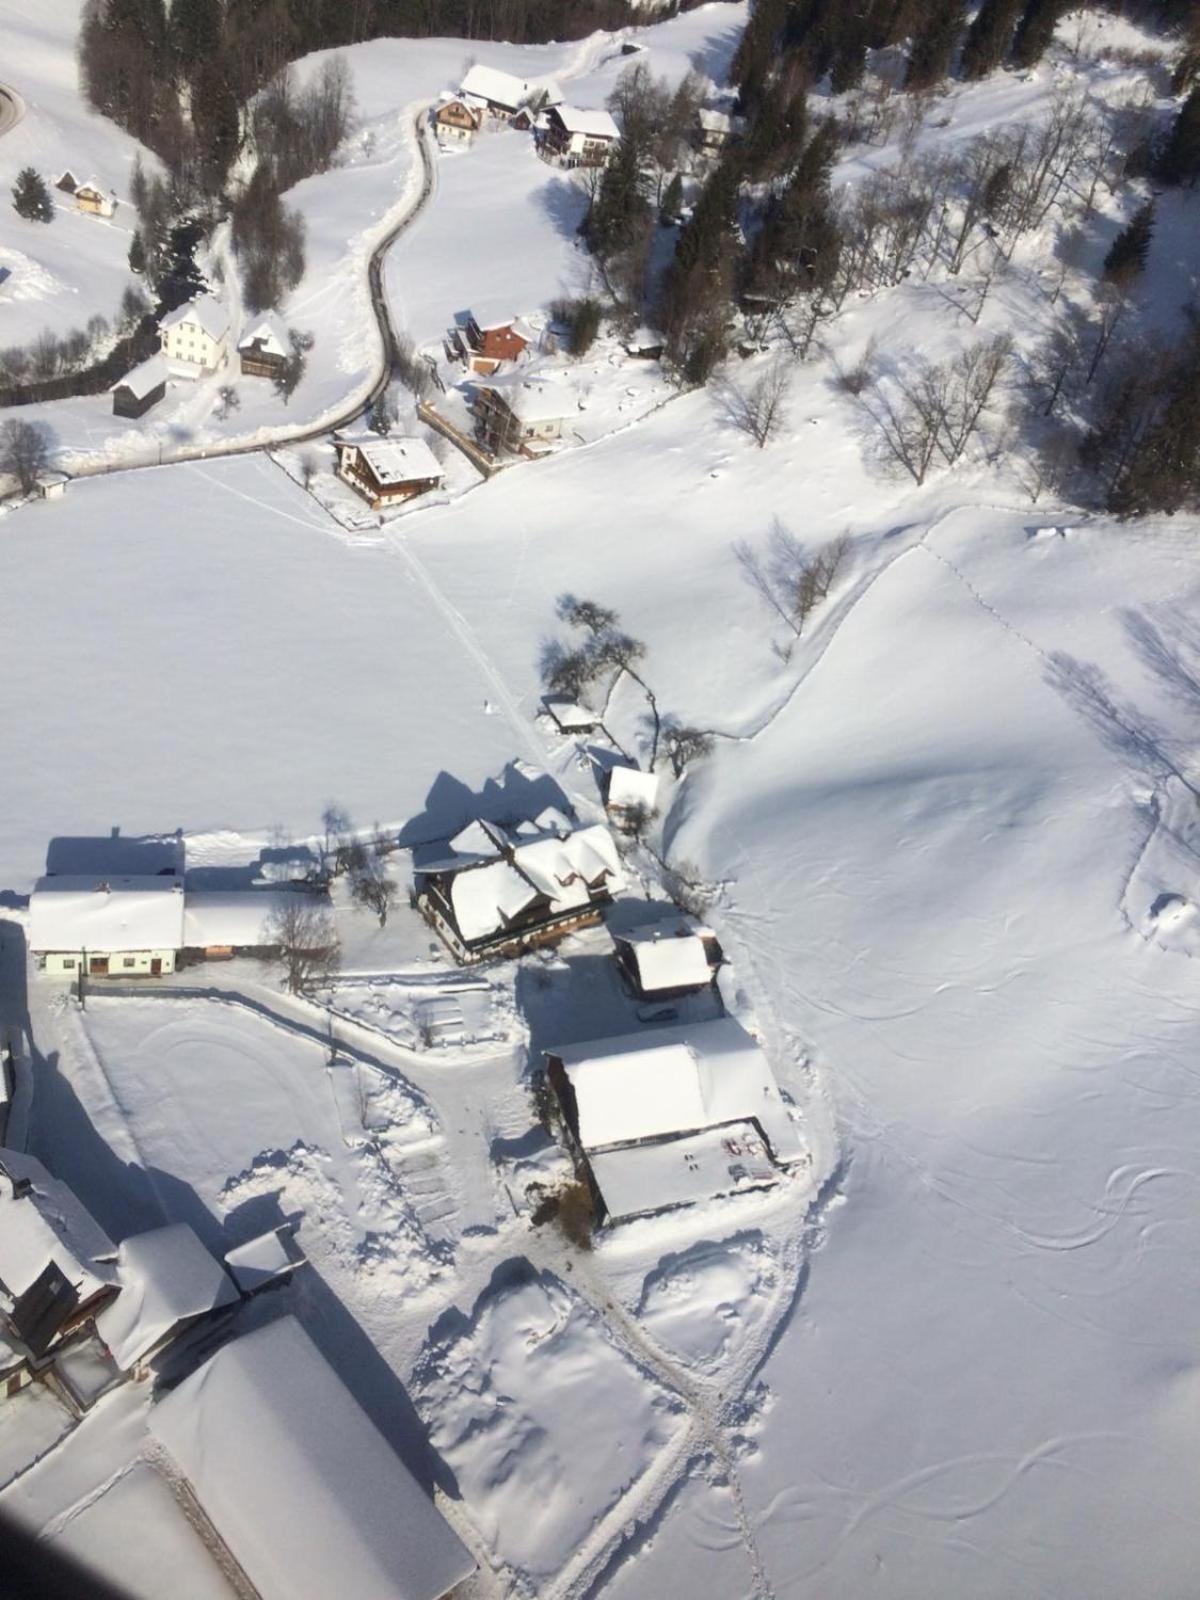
x: 121, y: 964
x: 187, y: 341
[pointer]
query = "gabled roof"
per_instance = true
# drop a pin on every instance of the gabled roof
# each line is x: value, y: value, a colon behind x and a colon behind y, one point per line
x: 68, y: 912
x: 668, y: 960
x: 672, y: 1081
x: 558, y: 865
x: 92, y: 187
x: 298, y: 1482
x: 269, y: 333
x: 142, y: 379
x: 497, y: 88
x: 629, y: 786
x: 533, y: 397
x: 44, y: 1223
x: 206, y: 312
x: 394, y: 460
x: 714, y: 121
x: 590, y: 124
x: 166, y: 1277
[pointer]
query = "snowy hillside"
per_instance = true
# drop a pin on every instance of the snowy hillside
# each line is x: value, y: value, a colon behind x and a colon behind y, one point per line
x: 946, y: 836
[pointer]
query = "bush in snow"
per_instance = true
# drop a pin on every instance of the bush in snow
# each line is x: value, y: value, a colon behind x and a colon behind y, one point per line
x: 24, y: 452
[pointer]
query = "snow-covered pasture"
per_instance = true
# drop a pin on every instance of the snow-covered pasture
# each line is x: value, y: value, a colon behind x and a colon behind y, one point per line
x: 75, y: 267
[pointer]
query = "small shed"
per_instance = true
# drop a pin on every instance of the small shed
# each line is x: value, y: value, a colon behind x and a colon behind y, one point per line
x: 666, y: 961
x: 52, y: 485
x: 67, y: 182
x: 269, y: 1259
x: 630, y: 796
x: 140, y: 389
x: 568, y: 716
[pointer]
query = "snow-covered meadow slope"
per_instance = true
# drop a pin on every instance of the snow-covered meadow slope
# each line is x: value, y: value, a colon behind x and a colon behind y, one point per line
x: 951, y: 843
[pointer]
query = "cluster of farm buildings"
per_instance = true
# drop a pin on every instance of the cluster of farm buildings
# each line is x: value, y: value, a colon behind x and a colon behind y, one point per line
x: 252, y: 1430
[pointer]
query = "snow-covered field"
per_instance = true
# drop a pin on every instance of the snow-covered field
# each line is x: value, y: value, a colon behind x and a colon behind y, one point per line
x: 952, y: 848
x: 75, y: 267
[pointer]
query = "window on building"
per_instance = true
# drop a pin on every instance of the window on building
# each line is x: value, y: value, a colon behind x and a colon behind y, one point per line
x: 69, y: 963
x: 129, y: 961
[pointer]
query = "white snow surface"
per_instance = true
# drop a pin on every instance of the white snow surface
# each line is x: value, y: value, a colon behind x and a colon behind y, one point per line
x: 298, y: 1481
x: 951, y: 849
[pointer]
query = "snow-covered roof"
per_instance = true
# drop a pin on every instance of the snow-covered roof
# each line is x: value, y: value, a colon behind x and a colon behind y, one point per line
x: 668, y: 960
x: 629, y: 786
x: 675, y: 1080
x: 589, y: 124
x: 298, y: 1481
x: 498, y: 88
x: 569, y: 714
x: 142, y: 379
x: 714, y: 121
x: 486, y: 899
x: 166, y: 1276
x: 47, y: 1223
x: 91, y: 186
x: 534, y: 398
x: 395, y: 460
x: 236, y: 917
x: 565, y: 865
x: 268, y: 333
x: 70, y: 912
x: 262, y: 1260
x: 206, y: 311
x: 678, y: 1172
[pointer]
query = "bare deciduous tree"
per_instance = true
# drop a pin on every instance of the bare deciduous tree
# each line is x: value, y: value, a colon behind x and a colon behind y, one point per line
x: 370, y: 885
x: 791, y: 580
x: 760, y: 411
x: 309, y: 467
x: 685, y: 745
x: 302, y: 930
x: 24, y: 452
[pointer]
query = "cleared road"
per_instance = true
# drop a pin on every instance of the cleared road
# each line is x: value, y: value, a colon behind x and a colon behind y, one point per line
x: 12, y: 109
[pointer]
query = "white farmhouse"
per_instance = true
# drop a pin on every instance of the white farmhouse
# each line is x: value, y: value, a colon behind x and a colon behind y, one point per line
x: 196, y: 335
x: 129, y: 926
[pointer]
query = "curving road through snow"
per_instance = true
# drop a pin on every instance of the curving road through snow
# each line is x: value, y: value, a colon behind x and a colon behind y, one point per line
x: 12, y: 109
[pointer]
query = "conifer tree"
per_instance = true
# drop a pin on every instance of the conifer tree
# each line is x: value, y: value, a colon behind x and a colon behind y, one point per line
x: 933, y: 46
x: 1035, y: 30
x: 31, y: 198
x: 989, y: 37
x: 1180, y: 162
x: 1126, y: 259
x: 137, y: 253
x: 672, y: 201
